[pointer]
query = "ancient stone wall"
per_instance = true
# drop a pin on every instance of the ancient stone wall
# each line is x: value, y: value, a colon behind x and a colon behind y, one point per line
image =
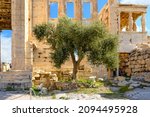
x: 139, y: 61
x: 137, y: 64
x: 39, y: 12
x: 124, y: 65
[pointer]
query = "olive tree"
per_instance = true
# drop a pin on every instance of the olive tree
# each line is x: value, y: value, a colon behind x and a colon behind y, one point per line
x: 74, y: 39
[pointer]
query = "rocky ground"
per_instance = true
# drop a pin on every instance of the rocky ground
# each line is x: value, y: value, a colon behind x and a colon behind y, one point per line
x: 136, y: 94
x: 120, y: 88
x: 139, y: 94
x: 59, y: 96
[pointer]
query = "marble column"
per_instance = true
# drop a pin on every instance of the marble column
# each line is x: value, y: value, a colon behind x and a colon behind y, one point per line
x: 19, y: 35
x: 143, y: 22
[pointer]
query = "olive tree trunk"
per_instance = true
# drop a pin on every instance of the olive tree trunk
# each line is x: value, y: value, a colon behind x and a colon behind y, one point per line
x: 75, y: 71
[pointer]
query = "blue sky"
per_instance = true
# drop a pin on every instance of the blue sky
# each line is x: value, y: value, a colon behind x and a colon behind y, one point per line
x: 6, y: 35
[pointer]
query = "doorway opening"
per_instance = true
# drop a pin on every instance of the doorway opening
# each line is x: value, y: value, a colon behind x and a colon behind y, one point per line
x: 5, y: 50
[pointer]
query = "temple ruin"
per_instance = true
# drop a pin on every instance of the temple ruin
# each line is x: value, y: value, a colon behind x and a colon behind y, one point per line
x: 30, y: 56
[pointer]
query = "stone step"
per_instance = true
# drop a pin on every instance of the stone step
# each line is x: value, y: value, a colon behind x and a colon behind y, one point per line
x: 15, y: 79
x: 15, y: 75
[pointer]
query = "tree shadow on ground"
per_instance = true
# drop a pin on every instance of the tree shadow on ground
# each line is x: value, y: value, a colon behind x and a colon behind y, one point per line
x: 113, y: 96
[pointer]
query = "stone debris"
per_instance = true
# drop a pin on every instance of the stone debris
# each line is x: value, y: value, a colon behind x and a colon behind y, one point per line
x: 47, y: 79
x: 119, y: 78
x: 114, y: 89
x: 100, y: 79
x: 72, y: 96
x: 132, y: 83
x: 39, y: 87
x: 43, y: 91
x: 93, y: 78
x: 65, y: 86
x: 123, y: 83
x: 58, y: 96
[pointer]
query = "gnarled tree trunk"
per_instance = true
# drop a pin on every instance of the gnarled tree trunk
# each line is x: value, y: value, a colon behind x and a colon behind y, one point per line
x: 75, y: 70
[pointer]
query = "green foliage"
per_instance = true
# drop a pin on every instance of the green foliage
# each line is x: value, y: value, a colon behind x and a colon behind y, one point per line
x: 27, y: 88
x: 124, y: 89
x: 98, y: 84
x: 88, y: 83
x: 40, y: 31
x: 10, y: 89
x: 68, y: 38
x: 67, y: 80
x: 53, y: 95
x: 35, y: 90
x: 64, y: 98
x: 108, y: 83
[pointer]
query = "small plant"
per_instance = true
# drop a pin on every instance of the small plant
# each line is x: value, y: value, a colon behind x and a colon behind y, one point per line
x: 53, y: 95
x: 98, y: 84
x: 65, y: 80
x: 10, y: 89
x: 108, y: 83
x: 124, y: 89
x: 87, y: 83
x: 35, y: 90
x: 64, y: 98
x: 26, y: 88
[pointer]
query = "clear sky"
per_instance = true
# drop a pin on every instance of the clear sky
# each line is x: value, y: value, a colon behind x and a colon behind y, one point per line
x: 6, y: 35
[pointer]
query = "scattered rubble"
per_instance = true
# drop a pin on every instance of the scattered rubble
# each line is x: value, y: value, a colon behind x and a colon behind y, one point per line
x: 43, y: 91
x: 46, y: 79
x: 131, y: 83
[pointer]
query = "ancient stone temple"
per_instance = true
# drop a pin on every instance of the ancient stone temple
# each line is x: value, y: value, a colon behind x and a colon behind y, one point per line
x: 29, y: 55
x: 121, y: 19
